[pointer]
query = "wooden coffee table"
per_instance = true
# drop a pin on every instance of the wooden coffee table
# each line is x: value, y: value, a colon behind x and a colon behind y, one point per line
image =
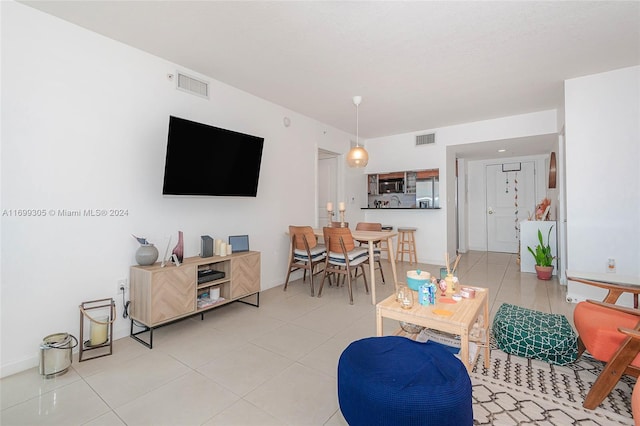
x: 455, y: 318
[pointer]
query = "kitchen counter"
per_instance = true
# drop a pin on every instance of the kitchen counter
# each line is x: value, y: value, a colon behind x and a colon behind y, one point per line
x: 398, y: 208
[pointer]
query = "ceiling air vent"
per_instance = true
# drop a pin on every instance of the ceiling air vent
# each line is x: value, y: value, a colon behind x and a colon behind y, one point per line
x: 192, y: 85
x: 427, y: 139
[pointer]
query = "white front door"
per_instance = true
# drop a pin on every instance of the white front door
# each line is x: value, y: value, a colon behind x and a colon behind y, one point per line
x: 327, y: 186
x: 510, y: 196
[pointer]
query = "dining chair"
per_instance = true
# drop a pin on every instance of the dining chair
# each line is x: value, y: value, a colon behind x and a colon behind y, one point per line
x: 372, y: 226
x: 305, y: 254
x: 337, y: 224
x: 605, y: 330
x: 343, y: 257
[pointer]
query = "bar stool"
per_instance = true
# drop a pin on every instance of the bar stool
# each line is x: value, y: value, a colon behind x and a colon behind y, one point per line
x: 406, y: 244
x: 384, y: 244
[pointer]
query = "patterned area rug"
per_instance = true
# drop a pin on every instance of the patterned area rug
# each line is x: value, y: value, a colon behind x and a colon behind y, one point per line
x: 520, y: 391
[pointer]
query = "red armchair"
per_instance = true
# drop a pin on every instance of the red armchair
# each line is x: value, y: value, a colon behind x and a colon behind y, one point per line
x: 635, y: 396
x: 604, y: 329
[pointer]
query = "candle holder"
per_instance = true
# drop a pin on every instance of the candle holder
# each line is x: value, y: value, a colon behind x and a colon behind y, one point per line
x: 330, y: 212
x: 404, y: 296
x: 100, y: 314
x: 342, y: 222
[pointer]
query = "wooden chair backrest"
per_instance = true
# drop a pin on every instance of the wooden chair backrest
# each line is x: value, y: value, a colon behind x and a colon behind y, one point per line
x: 298, y: 235
x: 368, y: 226
x: 332, y: 238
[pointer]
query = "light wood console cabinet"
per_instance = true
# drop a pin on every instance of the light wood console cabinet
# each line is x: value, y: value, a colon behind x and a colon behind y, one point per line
x: 163, y: 295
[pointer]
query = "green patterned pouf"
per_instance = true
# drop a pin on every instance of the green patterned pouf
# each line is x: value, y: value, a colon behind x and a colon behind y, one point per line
x: 533, y: 334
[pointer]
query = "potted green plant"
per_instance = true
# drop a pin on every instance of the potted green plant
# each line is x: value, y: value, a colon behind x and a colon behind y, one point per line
x: 543, y: 257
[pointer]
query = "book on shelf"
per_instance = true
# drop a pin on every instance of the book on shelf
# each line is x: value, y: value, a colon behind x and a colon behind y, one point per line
x: 205, y: 301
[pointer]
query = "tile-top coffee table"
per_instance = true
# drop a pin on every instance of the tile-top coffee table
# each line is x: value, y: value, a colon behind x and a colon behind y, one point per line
x: 455, y: 318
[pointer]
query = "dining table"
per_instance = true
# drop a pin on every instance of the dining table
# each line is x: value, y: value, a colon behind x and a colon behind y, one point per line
x: 373, y: 237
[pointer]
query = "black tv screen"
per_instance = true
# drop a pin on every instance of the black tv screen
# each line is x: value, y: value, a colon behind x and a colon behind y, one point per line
x: 207, y: 160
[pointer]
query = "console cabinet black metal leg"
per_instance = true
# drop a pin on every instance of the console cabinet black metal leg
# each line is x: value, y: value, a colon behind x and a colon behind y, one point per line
x: 144, y: 330
x: 257, y: 304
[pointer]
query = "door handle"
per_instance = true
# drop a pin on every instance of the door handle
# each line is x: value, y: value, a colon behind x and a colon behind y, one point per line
x: 490, y: 210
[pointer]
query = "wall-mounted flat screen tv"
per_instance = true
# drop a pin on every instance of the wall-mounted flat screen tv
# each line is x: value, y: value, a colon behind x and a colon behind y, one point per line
x: 207, y: 160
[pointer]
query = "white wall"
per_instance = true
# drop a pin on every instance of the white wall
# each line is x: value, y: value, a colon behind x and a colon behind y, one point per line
x: 463, y: 200
x: 84, y: 126
x: 436, y: 228
x: 477, y: 199
x: 355, y: 194
x: 603, y: 173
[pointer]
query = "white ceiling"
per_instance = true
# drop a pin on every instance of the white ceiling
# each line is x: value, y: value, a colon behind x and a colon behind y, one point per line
x: 417, y: 65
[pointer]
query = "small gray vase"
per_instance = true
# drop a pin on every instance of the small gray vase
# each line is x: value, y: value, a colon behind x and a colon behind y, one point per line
x: 147, y: 254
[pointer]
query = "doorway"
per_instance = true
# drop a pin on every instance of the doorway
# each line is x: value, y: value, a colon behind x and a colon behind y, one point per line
x: 327, y: 184
x: 510, y: 191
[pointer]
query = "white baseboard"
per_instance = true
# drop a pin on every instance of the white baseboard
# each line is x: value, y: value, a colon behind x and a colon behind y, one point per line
x: 16, y: 367
x: 578, y: 292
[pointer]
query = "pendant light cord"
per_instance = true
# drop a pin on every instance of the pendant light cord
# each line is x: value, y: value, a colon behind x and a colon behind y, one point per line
x: 357, y: 125
x: 357, y: 155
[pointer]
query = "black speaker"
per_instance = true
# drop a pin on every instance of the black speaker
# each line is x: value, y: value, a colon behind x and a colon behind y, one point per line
x: 206, y: 246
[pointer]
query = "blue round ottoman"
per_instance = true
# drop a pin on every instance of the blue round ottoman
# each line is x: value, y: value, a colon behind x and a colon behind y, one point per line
x: 396, y: 381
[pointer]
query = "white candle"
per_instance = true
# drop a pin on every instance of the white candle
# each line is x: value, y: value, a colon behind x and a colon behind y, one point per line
x: 341, y: 206
x: 214, y: 293
x: 217, y: 249
x: 223, y: 249
x: 99, y: 331
x: 329, y: 206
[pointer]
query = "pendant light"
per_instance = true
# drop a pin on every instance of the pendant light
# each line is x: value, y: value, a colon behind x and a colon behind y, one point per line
x: 357, y: 156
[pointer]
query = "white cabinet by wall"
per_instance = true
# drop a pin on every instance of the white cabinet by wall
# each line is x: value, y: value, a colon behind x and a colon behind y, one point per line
x: 529, y: 238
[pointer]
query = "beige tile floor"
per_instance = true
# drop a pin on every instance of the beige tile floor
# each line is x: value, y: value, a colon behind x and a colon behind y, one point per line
x: 272, y: 365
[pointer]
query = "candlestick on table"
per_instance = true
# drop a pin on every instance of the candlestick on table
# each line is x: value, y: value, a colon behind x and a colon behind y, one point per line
x: 342, y: 222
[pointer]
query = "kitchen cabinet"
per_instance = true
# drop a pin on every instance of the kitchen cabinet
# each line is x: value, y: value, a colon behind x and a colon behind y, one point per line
x: 411, y: 189
x: 410, y: 183
x: 389, y: 176
x: 373, y: 185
